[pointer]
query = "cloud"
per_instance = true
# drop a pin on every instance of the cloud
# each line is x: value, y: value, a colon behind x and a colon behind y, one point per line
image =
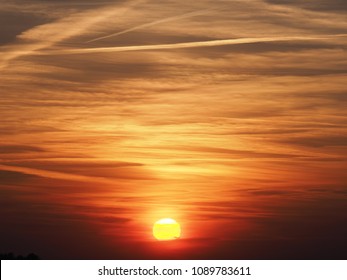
x: 13, y: 178
x: 153, y: 23
x: 46, y: 35
x: 211, y: 43
x: 14, y: 149
x: 16, y: 22
x: 113, y: 220
x: 237, y: 153
x: 84, y: 167
x: 318, y: 141
x: 245, y: 134
x: 76, y: 2
x: 321, y: 5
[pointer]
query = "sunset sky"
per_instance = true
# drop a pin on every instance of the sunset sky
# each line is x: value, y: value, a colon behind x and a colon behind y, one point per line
x: 228, y: 116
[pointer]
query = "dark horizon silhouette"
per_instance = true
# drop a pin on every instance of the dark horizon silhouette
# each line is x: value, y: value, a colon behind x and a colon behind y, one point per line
x: 12, y: 256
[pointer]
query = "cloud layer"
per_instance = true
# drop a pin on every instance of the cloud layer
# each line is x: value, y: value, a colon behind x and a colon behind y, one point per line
x: 221, y: 114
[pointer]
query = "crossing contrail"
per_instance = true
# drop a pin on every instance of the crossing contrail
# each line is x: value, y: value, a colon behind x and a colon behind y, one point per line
x: 174, y: 18
x: 211, y: 43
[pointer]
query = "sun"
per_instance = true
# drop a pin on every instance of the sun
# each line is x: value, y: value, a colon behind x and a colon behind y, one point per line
x: 166, y: 229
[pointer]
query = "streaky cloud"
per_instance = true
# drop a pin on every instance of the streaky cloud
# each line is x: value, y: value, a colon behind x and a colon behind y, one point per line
x: 174, y: 18
x: 59, y: 31
x: 14, y: 149
x: 211, y: 43
x: 55, y: 175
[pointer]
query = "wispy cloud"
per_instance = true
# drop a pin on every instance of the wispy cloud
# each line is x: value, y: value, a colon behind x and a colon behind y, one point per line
x: 211, y: 43
x: 14, y: 149
x: 153, y: 23
x: 46, y: 35
x: 221, y: 114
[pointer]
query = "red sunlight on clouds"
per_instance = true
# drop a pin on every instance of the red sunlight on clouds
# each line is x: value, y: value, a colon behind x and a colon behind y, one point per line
x: 116, y: 115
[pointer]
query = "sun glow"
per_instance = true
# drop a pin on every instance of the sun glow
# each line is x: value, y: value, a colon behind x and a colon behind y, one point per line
x: 166, y: 229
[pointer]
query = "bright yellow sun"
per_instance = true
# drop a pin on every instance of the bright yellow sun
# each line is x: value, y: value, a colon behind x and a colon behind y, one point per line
x: 166, y: 229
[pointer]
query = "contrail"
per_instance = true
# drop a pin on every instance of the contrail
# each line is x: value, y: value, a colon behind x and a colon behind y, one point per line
x: 211, y: 43
x: 80, y: 4
x: 187, y: 15
x: 60, y: 30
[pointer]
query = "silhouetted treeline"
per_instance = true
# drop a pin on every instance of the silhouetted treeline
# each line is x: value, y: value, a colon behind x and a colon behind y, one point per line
x: 11, y: 256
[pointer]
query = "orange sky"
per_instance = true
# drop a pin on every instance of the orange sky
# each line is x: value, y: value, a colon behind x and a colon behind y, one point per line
x: 228, y: 116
